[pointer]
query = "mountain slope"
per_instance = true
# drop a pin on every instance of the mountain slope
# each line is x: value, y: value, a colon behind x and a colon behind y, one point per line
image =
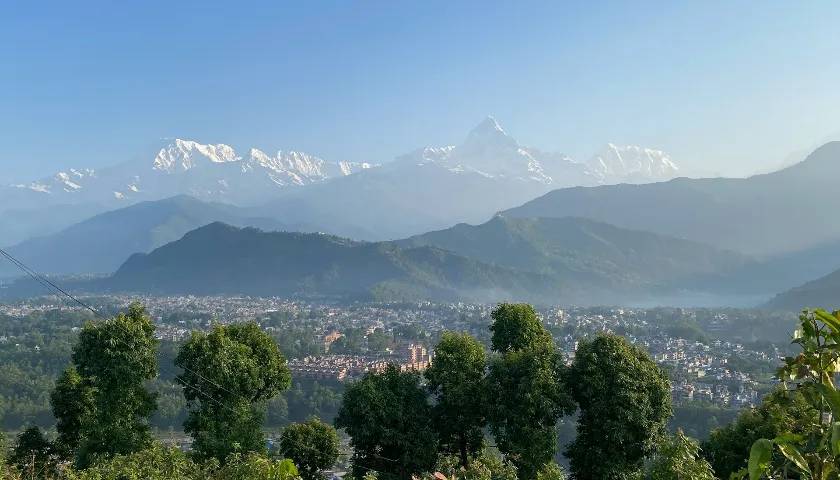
x: 823, y: 292
x: 766, y: 214
x: 589, y: 252
x: 218, y: 259
x: 101, y: 243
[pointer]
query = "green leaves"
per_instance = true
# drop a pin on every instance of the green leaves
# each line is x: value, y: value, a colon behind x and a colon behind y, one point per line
x: 388, y: 418
x: 624, y: 400
x: 312, y: 445
x: 792, y: 453
x: 228, y: 376
x: 760, y: 455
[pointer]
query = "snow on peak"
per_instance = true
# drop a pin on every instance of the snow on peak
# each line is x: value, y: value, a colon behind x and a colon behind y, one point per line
x: 632, y: 163
x: 185, y: 154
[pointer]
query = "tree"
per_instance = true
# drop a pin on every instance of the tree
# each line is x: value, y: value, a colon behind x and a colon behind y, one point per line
x: 624, y: 400
x: 312, y: 445
x: 525, y: 385
x: 72, y: 402
x: 551, y: 471
x: 485, y: 466
x: 154, y: 463
x: 114, y: 359
x: 32, y: 452
x: 728, y: 448
x: 516, y: 327
x: 812, y: 452
x: 678, y: 458
x: 229, y: 375
x: 456, y: 380
x: 387, y: 416
x: 255, y: 467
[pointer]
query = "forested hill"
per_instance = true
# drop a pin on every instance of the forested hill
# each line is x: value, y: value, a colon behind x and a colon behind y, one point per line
x: 219, y: 258
x: 584, y: 250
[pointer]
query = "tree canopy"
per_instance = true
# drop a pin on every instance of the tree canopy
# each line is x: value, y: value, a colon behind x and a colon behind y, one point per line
x: 104, y: 406
x: 625, y: 402
x: 312, y: 445
x: 229, y: 375
x: 525, y: 384
x: 456, y: 380
x: 388, y: 418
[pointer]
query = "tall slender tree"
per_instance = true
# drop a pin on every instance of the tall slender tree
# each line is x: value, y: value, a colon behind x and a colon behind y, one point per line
x: 72, y: 403
x: 104, y: 407
x: 525, y: 384
x: 229, y: 375
x: 456, y: 380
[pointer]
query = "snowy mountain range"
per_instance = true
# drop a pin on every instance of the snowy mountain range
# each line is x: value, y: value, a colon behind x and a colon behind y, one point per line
x: 215, y: 172
x: 491, y: 170
x: 488, y: 150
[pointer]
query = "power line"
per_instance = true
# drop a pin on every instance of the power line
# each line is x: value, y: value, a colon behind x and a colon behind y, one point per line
x: 47, y: 283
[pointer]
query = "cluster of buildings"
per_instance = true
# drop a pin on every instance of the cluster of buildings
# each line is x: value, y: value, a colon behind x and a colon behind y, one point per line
x: 343, y: 367
x: 699, y: 359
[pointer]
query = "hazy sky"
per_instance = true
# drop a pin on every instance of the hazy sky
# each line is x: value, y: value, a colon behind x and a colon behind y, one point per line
x: 727, y: 87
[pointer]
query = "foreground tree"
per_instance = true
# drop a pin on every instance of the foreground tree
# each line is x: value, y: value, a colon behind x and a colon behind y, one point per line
x: 229, y: 375
x: 387, y: 416
x: 484, y: 466
x: 728, y: 448
x: 154, y: 463
x: 312, y: 445
x: 525, y: 386
x: 456, y: 380
x: 32, y: 453
x: 104, y: 407
x: 72, y: 402
x: 624, y: 400
x: 678, y: 458
x: 812, y: 451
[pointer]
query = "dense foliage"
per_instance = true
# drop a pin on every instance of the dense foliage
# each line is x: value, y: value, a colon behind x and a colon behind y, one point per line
x: 104, y: 408
x: 624, y: 399
x: 312, y: 445
x: 228, y: 376
x: 526, y: 388
x: 456, y: 380
x: 678, y: 458
x: 388, y: 418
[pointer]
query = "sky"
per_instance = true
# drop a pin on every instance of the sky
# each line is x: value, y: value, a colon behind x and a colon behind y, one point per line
x: 727, y: 88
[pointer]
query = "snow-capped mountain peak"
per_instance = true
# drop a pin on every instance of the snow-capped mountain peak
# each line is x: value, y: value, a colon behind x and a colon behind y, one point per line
x: 184, y: 155
x: 633, y: 163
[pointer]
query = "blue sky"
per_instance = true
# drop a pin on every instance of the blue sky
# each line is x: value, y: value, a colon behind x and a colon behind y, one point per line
x: 725, y: 87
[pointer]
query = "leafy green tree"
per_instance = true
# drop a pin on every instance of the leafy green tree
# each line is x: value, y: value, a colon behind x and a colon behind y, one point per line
x: 456, y: 380
x: 229, y: 375
x: 255, y: 467
x: 625, y: 402
x: 525, y: 386
x: 485, y: 466
x: 72, y: 403
x: 32, y: 452
x: 313, y: 446
x: 814, y: 451
x: 387, y: 416
x: 114, y: 358
x: 678, y: 458
x: 728, y: 448
x: 154, y: 463
x: 551, y: 471
x: 516, y: 327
